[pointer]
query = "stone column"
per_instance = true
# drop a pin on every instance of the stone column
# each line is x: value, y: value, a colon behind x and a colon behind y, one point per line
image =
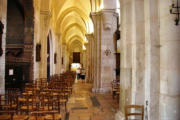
x: 126, y: 47
x: 63, y: 54
x: 87, y: 62
x: 3, y: 15
x: 132, y: 78
x: 90, y: 57
x: 138, y: 55
x: 84, y: 58
x: 66, y: 58
x: 105, y: 25
x: 169, y: 64
x: 95, y: 52
x: 44, y: 18
x: 152, y: 59
x: 58, y: 53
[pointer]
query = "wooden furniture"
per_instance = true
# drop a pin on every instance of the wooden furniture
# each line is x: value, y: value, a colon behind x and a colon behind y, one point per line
x: 134, y: 112
x: 40, y: 100
x: 6, y: 114
x: 36, y: 115
x: 116, y: 90
x: 8, y: 106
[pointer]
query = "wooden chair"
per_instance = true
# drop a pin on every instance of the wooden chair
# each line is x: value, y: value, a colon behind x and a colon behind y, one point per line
x: 36, y: 115
x: 134, y: 112
x: 6, y: 107
x: 20, y: 117
x: 115, y: 89
x: 46, y: 102
x: 52, y: 115
x: 27, y: 103
x: 6, y: 114
x: 50, y: 107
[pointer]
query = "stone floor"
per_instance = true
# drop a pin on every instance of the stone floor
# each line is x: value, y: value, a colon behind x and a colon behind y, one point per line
x: 85, y: 105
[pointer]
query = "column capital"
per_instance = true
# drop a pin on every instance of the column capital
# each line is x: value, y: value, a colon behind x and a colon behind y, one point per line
x: 45, y: 12
x: 86, y: 45
x: 108, y: 15
x: 45, y: 15
x: 89, y: 36
x: 94, y: 15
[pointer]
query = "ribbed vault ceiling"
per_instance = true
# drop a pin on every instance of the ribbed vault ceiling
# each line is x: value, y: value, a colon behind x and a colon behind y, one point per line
x: 71, y: 18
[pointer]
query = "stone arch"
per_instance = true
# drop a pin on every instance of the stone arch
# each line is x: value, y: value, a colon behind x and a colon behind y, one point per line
x: 81, y: 22
x: 77, y: 25
x: 75, y: 36
x: 71, y: 40
x: 62, y: 15
x: 69, y: 27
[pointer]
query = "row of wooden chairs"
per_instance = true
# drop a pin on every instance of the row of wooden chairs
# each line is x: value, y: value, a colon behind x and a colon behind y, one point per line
x: 116, y: 90
x: 41, y: 100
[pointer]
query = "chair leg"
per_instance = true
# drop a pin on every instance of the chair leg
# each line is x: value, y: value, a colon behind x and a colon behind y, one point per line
x: 65, y: 106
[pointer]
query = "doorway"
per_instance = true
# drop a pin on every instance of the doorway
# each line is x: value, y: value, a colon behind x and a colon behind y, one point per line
x: 76, y: 57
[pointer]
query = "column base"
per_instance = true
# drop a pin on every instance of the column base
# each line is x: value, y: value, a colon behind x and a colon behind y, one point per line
x: 95, y: 90
x: 105, y: 90
x: 119, y: 116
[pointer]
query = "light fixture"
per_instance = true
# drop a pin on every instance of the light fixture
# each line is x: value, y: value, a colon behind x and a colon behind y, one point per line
x: 174, y: 9
x: 107, y: 52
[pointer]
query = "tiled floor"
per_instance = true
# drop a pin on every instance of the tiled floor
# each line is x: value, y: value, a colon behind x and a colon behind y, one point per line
x: 81, y: 107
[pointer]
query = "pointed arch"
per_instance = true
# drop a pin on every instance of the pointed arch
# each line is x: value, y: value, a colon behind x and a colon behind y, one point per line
x: 62, y: 15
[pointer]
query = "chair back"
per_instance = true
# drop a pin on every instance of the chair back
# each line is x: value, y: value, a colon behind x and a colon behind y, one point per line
x: 135, y: 111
